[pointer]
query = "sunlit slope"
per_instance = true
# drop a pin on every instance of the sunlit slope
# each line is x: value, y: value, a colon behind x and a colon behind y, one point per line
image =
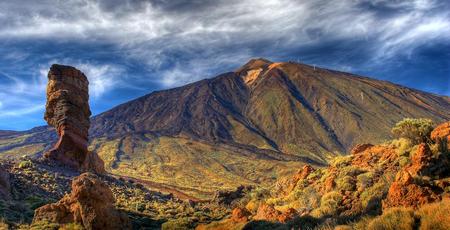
x: 193, y: 167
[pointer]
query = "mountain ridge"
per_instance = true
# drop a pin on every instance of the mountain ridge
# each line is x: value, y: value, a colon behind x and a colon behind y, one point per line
x: 252, y: 125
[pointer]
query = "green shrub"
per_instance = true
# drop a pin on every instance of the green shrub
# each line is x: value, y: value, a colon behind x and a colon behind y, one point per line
x: 403, y: 146
x: 25, y: 164
x: 341, y: 161
x: 349, y: 171
x: 435, y: 215
x: 403, y: 161
x: 416, y: 130
x: 177, y: 224
x: 372, y: 196
x: 44, y: 225
x: 346, y: 183
x: 307, y: 198
x: 329, y: 204
x: 72, y: 226
x: 394, y: 219
x: 365, y: 180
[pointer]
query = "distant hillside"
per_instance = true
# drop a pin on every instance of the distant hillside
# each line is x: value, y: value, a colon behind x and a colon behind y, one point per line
x: 249, y: 126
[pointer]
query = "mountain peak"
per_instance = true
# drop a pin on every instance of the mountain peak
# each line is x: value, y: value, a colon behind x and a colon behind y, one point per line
x: 254, y: 63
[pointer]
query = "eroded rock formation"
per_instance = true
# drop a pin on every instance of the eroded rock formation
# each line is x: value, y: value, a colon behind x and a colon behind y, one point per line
x: 91, y: 204
x: 67, y: 110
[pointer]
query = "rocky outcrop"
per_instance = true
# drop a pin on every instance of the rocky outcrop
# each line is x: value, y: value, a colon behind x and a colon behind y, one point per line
x: 91, y: 204
x: 442, y: 131
x: 404, y: 192
x: 441, y: 134
x: 240, y: 215
x: 5, y: 186
x: 68, y: 111
x: 421, y: 161
x: 360, y: 148
x: 269, y: 213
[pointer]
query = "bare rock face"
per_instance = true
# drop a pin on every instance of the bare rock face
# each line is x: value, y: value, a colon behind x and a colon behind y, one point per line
x: 91, y: 204
x: 67, y: 110
x: 5, y: 186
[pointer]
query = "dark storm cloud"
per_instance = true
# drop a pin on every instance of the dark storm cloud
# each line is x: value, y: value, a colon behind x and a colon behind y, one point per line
x: 130, y: 47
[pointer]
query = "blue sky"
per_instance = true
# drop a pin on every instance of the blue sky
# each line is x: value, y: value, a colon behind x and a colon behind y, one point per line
x: 129, y: 48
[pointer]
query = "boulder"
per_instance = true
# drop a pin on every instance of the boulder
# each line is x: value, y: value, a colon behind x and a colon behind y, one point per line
x: 67, y: 110
x: 240, y: 215
x: 404, y: 192
x: 91, y: 204
x: 442, y: 134
x: 442, y: 131
x: 5, y: 186
x: 269, y: 213
x: 421, y: 161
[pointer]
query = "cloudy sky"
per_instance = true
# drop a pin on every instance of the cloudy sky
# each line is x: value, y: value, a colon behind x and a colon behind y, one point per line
x: 128, y: 48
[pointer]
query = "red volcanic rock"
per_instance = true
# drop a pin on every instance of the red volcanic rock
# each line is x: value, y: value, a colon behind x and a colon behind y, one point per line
x: 329, y: 183
x: 403, y: 192
x: 269, y: 213
x: 240, y: 215
x: 91, y: 204
x: 5, y: 186
x: 421, y: 160
x: 371, y: 156
x: 287, y: 215
x: 266, y: 212
x: 360, y: 148
x: 441, y: 131
x: 304, y: 172
x: 67, y: 110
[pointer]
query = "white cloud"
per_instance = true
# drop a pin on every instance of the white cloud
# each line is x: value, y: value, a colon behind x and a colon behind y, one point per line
x: 154, y: 35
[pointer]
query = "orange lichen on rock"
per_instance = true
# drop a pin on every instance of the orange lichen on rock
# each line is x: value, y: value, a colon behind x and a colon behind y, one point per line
x: 67, y: 110
x: 91, y: 204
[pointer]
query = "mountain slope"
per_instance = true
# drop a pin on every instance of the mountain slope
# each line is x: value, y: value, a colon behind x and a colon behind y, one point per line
x: 286, y: 107
x: 249, y: 126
